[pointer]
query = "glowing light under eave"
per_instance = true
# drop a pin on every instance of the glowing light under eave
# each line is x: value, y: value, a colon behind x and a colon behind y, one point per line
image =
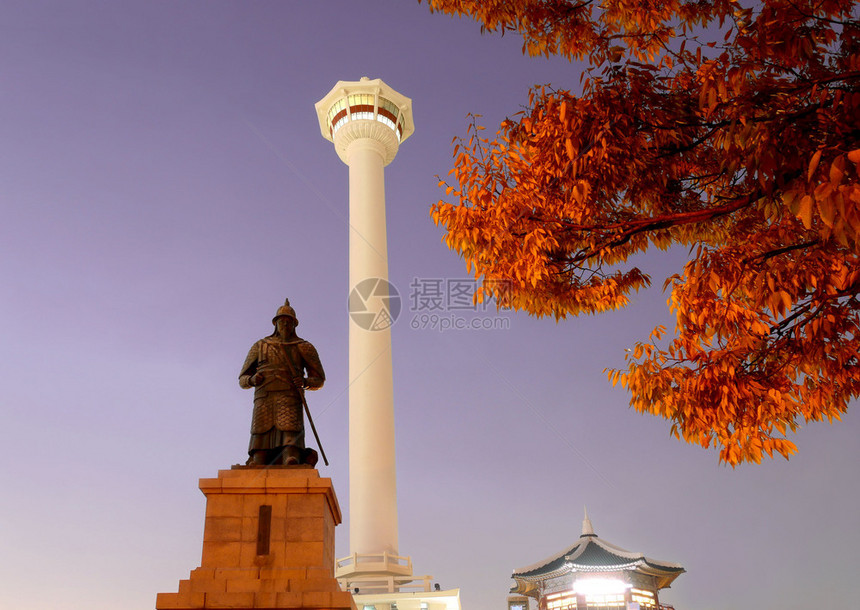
x: 599, y: 586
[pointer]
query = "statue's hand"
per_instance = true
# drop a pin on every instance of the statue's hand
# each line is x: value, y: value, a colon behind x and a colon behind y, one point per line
x: 257, y: 379
x: 299, y: 381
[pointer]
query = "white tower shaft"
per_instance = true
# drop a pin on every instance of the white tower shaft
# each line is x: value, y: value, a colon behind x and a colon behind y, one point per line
x: 366, y: 120
x: 372, y: 472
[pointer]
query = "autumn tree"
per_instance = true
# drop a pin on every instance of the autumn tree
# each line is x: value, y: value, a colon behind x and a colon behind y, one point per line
x: 729, y: 128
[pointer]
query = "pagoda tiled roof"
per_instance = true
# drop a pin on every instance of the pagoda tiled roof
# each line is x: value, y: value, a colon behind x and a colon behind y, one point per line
x: 592, y: 554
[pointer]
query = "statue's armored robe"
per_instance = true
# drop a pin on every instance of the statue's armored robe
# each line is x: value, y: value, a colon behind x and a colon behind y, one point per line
x: 277, y: 420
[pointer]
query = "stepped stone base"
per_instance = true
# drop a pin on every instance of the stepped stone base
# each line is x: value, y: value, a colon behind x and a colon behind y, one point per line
x: 268, y: 543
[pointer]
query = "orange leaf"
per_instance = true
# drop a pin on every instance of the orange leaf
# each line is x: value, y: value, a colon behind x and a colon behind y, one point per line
x: 813, y: 163
x: 804, y: 211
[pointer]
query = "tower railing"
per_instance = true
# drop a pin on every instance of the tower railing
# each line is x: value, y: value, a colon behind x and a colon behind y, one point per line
x: 385, y: 562
x: 374, y: 584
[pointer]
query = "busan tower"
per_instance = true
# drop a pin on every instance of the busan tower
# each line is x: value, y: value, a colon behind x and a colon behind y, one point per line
x: 367, y: 120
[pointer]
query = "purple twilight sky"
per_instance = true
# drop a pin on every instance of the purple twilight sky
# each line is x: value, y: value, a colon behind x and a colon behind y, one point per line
x: 164, y: 186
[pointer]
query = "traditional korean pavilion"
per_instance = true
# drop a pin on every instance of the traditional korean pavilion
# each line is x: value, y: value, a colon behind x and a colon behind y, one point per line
x: 596, y: 575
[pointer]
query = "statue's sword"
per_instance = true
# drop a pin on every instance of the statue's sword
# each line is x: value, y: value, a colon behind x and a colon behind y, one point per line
x: 311, y: 422
x: 301, y: 392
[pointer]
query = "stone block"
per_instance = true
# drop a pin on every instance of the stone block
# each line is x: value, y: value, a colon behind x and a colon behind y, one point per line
x: 275, y: 585
x: 222, y: 529
x: 286, y: 484
x: 325, y: 572
x: 230, y: 600
x: 221, y: 554
x: 279, y: 504
x: 207, y: 485
x: 303, y: 554
x: 243, y: 477
x: 249, y: 528
x: 206, y: 585
x: 251, y: 503
x: 248, y: 554
x: 289, y: 600
x: 266, y: 600
x: 328, y: 557
x: 172, y: 601
x: 243, y: 585
x: 224, y: 505
x: 283, y: 573
x: 310, y: 505
x: 244, y: 481
x: 203, y: 573
x: 304, y: 529
x: 342, y: 599
x: 264, y: 561
x: 279, y: 527
x: 320, y: 482
x: 230, y: 573
x: 316, y: 599
x: 315, y: 584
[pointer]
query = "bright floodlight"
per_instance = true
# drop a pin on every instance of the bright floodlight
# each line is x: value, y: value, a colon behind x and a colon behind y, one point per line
x: 600, y: 586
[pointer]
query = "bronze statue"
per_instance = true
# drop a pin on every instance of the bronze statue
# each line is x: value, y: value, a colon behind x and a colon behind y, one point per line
x: 279, y: 368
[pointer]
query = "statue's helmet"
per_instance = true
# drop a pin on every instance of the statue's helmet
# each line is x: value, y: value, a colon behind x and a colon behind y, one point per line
x: 285, y: 311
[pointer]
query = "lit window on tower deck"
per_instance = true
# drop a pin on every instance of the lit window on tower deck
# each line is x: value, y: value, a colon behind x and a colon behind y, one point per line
x: 389, y: 114
x: 361, y: 112
x: 361, y: 99
x: 362, y: 106
x: 337, y: 115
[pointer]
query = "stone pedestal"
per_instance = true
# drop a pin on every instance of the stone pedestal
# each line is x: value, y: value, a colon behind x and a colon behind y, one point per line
x: 268, y: 543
